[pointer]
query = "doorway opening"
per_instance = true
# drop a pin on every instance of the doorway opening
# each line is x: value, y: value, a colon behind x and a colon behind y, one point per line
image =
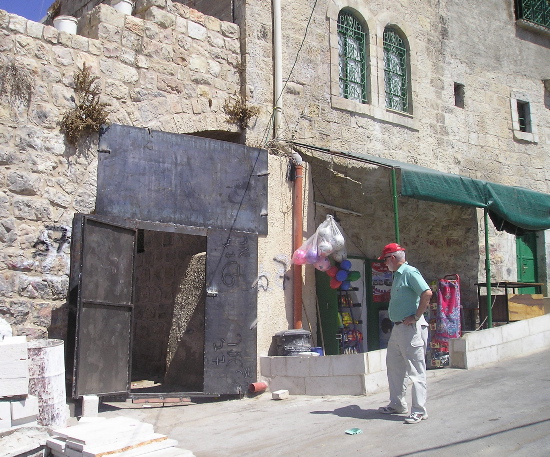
x: 169, y: 313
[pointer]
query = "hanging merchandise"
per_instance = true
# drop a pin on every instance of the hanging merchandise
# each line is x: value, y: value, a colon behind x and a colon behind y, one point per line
x: 326, y: 240
x: 444, y: 319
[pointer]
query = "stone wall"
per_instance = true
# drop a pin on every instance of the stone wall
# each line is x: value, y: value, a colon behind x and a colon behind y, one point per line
x: 168, y: 69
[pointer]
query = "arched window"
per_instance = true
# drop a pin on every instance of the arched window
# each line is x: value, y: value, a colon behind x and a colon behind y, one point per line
x: 395, y: 71
x: 352, y: 58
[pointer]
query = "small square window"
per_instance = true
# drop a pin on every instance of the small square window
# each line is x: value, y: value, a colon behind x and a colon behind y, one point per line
x: 459, y: 95
x: 524, y: 116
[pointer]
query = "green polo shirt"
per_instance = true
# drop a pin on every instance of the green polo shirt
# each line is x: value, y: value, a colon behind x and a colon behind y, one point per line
x: 408, y: 285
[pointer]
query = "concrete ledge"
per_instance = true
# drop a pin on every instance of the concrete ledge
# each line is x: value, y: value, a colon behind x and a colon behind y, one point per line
x: 500, y: 343
x: 346, y: 374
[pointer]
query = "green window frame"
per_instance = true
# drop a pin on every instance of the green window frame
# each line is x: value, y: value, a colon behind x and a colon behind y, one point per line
x: 352, y: 58
x: 534, y: 11
x: 396, y: 81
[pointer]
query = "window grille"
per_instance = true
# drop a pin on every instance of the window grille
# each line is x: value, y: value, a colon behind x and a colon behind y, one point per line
x: 352, y: 58
x: 535, y: 11
x: 395, y: 72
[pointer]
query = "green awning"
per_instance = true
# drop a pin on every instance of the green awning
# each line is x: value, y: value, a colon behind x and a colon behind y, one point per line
x: 510, y: 207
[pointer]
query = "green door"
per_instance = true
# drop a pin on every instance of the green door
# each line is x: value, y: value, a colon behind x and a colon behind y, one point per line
x: 327, y: 302
x: 526, y: 252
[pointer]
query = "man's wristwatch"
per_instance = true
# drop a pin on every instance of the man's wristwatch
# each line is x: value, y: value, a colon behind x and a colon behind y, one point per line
x: 416, y: 318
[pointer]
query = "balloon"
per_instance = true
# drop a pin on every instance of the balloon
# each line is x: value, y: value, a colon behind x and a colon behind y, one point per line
x: 299, y: 257
x: 334, y: 283
x: 324, y: 248
x: 338, y: 242
x: 345, y: 285
x: 339, y: 256
x: 312, y: 256
x: 342, y: 275
x: 332, y: 271
x: 323, y: 264
x: 354, y: 276
x: 345, y: 264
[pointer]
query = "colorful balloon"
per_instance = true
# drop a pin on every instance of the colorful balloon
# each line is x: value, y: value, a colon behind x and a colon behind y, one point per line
x: 345, y: 264
x: 299, y: 257
x: 332, y: 271
x: 354, y: 276
x: 334, y: 283
x: 323, y: 264
x: 342, y: 275
x: 345, y: 285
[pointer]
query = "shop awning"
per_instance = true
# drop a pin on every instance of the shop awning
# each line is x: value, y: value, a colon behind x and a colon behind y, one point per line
x: 509, y: 207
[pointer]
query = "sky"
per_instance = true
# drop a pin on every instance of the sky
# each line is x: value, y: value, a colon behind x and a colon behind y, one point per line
x: 34, y: 10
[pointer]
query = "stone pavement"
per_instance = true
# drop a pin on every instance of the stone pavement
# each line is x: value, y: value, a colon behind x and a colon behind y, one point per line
x: 500, y: 410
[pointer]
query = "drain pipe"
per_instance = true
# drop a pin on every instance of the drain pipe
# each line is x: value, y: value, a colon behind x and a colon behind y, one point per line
x: 277, y: 68
x: 298, y: 237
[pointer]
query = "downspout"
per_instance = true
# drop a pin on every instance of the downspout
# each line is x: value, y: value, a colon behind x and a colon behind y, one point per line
x: 488, y: 269
x: 277, y: 68
x: 298, y: 238
x: 297, y: 214
x: 395, y: 207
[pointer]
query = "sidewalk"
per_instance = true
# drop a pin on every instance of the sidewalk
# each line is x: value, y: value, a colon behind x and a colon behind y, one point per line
x: 498, y: 410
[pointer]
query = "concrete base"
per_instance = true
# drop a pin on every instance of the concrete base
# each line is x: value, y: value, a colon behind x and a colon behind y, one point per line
x: 90, y: 405
x: 500, y: 343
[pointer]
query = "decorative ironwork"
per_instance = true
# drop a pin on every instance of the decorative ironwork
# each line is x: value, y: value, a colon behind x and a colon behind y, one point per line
x: 352, y: 58
x: 395, y: 72
x: 535, y: 11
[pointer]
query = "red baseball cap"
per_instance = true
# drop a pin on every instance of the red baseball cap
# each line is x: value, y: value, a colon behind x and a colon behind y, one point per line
x: 389, y: 248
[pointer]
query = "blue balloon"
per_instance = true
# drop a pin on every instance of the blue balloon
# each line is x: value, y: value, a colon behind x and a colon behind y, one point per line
x: 345, y: 285
x: 345, y: 264
x: 342, y: 275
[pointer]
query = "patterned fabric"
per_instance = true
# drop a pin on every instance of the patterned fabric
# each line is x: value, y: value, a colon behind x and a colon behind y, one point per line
x: 448, y: 309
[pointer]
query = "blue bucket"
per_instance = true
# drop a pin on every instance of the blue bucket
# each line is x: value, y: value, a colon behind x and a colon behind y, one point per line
x: 318, y: 350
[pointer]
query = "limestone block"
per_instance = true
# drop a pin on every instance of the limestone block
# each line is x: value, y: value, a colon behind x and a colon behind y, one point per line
x: 105, y: 14
x: 349, y: 364
x: 375, y: 362
x: 197, y: 31
x: 334, y: 385
x: 539, y: 324
x: 297, y: 366
x: 294, y: 385
x: 18, y: 23
x: 320, y: 366
x: 508, y: 350
x: 24, y: 411
x: 229, y: 30
x: 265, y: 366
x: 34, y: 29
x: 160, y: 17
x: 514, y: 331
x: 14, y: 373
x: 90, y: 405
x: 143, y: 5
x: 280, y: 395
x: 50, y: 34
x: 212, y: 23
x: 118, y: 71
x: 5, y: 415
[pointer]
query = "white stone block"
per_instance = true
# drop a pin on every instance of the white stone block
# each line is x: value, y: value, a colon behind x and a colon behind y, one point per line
x: 376, y: 362
x: 295, y: 386
x: 23, y: 411
x: 297, y: 366
x: 320, y: 366
x: 514, y: 331
x: 376, y: 382
x: 90, y: 405
x: 539, y: 324
x: 280, y: 394
x: 335, y: 385
x: 457, y: 344
x: 5, y: 415
x: 509, y: 349
x: 278, y: 366
x: 484, y: 338
x: 349, y: 364
x: 265, y: 366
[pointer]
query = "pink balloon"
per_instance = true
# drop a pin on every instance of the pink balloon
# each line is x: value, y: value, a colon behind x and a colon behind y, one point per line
x: 299, y: 257
x: 323, y: 264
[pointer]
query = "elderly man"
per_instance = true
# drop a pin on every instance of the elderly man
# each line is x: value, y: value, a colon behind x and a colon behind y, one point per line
x: 406, y: 356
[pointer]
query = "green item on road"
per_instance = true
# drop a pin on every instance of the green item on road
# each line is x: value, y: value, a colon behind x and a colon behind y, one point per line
x: 354, y: 431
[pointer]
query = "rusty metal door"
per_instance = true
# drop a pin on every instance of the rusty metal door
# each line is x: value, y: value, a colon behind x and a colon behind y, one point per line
x: 102, y: 271
x: 231, y: 312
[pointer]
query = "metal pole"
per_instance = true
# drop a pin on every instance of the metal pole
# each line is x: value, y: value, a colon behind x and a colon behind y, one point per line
x: 298, y: 238
x: 488, y: 269
x: 395, y: 208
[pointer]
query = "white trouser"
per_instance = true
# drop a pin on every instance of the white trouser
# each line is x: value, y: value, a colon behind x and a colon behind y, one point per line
x: 406, y: 359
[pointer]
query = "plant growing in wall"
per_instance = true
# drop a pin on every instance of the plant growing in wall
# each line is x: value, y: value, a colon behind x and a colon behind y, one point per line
x: 89, y: 114
x: 239, y: 112
x: 16, y: 83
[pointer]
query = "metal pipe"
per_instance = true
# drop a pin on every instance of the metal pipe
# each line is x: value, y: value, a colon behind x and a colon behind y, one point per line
x: 488, y: 269
x: 298, y: 238
x: 277, y: 68
x: 395, y: 206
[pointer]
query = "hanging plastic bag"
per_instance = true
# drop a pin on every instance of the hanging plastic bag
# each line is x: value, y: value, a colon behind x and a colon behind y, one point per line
x: 308, y: 252
x: 331, y: 238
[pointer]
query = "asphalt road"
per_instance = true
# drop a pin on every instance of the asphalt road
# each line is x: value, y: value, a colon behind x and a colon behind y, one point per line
x: 498, y: 410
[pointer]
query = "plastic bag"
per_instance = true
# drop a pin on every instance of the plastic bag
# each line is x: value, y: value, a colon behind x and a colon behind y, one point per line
x: 308, y: 252
x: 327, y: 239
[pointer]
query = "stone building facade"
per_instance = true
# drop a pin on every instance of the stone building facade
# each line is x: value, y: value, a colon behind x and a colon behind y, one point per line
x: 172, y: 68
